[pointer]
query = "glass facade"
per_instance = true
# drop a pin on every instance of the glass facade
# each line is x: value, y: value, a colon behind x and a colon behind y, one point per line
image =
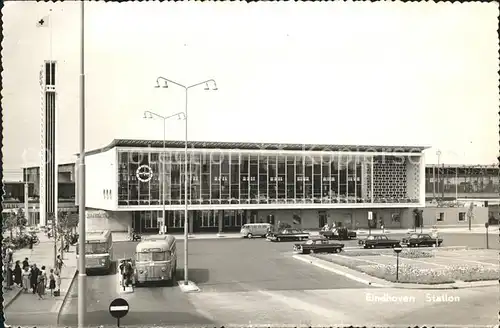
x: 462, y: 180
x: 242, y: 178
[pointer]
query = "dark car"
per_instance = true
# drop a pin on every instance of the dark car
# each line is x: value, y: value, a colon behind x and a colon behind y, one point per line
x: 288, y: 235
x: 318, y: 245
x: 338, y: 233
x: 421, y: 240
x: 379, y: 241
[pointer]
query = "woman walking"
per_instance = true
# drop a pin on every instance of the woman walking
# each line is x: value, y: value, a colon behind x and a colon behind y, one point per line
x: 18, y: 274
x: 26, y: 279
x: 42, y: 282
x: 52, y: 282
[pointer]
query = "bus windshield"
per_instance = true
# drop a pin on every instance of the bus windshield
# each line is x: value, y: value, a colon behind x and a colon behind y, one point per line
x: 95, y: 248
x: 151, y: 256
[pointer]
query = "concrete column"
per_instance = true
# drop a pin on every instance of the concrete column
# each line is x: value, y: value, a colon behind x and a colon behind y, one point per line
x: 221, y: 222
x: 190, y: 222
x: 247, y: 216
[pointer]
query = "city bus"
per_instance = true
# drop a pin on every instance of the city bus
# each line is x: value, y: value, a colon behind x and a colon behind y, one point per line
x: 98, y: 250
x: 156, y: 261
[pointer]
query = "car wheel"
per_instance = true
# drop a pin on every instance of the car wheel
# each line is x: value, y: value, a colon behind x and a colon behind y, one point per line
x: 249, y: 236
x: 372, y: 246
x: 337, y: 250
x: 311, y: 251
x: 278, y: 239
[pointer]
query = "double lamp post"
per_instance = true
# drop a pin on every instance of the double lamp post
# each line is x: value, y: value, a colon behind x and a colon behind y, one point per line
x: 209, y: 85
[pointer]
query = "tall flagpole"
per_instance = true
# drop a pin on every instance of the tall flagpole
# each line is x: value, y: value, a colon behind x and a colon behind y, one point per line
x: 82, y: 276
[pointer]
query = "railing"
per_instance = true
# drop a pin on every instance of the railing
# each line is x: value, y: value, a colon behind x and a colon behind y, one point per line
x: 255, y: 201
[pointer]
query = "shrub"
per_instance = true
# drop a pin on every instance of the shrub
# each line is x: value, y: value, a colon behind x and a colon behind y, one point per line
x: 473, y: 272
x: 415, y: 254
x: 360, y: 253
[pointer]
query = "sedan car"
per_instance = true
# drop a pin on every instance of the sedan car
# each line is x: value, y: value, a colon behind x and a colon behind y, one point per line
x: 379, y: 241
x: 288, y: 235
x: 421, y: 240
x: 318, y: 245
x: 338, y: 233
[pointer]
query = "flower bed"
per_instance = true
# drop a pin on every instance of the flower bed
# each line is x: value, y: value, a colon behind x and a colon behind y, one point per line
x: 361, y: 253
x: 414, y: 274
x: 415, y: 254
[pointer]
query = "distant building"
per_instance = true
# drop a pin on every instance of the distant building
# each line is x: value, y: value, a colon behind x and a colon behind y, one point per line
x: 450, y: 189
x: 14, y: 192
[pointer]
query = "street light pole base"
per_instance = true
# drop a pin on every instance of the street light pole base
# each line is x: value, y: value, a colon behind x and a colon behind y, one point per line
x: 190, y: 287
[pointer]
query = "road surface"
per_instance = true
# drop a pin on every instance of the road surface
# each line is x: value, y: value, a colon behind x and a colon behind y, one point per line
x: 219, y: 267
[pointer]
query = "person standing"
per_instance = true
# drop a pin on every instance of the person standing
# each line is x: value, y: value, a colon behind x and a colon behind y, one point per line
x: 26, y: 279
x: 18, y: 274
x: 52, y: 282
x: 9, y: 276
x: 59, y: 263
x: 41, y: 283
x: 58, y: 279
x: 34, y: 277
x: 26, y: 263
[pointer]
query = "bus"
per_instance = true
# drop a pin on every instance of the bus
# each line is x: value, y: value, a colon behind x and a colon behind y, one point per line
x: 156, y: 261
x: 98, y: 250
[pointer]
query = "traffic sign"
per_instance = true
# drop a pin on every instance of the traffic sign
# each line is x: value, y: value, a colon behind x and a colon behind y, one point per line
x: 118, y: 309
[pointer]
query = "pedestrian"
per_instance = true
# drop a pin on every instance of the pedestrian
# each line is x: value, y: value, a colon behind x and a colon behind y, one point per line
x: 52, y: 282
x: 59, y: 263
x: 26, y: 279
x: 41, y: 283
x: 34, y: 277
x: 18, y: 274
x: 58, y: 280
x: 26, y: 263
x: 8, y: 254
x: 9, y: 276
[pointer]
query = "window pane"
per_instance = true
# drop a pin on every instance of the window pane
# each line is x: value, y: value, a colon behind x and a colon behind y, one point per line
x: 263, y: 162
x: 290, y: 177
x: 281, y: 168
x: 215, y: 173
x: 235, y: 177
x: 253, y: 177
x: 272, y: 173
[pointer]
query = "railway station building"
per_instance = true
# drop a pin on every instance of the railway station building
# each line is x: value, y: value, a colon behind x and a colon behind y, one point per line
x: 140, y: 185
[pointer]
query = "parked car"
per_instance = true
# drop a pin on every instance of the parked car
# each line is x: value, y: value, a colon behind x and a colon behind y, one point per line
x: 338, y: 233
x: 288, y: 235
x: 421, y: 240
x: 379, y: 241
x: 318, y: 245
x: 251, y: 230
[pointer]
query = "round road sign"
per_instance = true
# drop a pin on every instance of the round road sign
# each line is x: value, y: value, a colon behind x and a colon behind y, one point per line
x: 118, y: 308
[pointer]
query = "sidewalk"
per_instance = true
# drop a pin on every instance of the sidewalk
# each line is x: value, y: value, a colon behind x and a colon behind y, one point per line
x: 17, y: 303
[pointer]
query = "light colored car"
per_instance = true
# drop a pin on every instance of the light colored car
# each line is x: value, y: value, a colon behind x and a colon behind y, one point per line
x: 251, y: 230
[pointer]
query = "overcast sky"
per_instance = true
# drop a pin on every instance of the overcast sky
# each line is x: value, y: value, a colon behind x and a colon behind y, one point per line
x: 337, y: 73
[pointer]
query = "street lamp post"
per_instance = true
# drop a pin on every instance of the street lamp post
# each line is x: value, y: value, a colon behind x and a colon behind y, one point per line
x: 186, y: 180
x: 397, y: 250
x: 82, y: 276
x: 149, y: 115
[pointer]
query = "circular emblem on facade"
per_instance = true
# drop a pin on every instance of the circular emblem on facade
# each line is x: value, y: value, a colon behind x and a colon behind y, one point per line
x: 144, y: 173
